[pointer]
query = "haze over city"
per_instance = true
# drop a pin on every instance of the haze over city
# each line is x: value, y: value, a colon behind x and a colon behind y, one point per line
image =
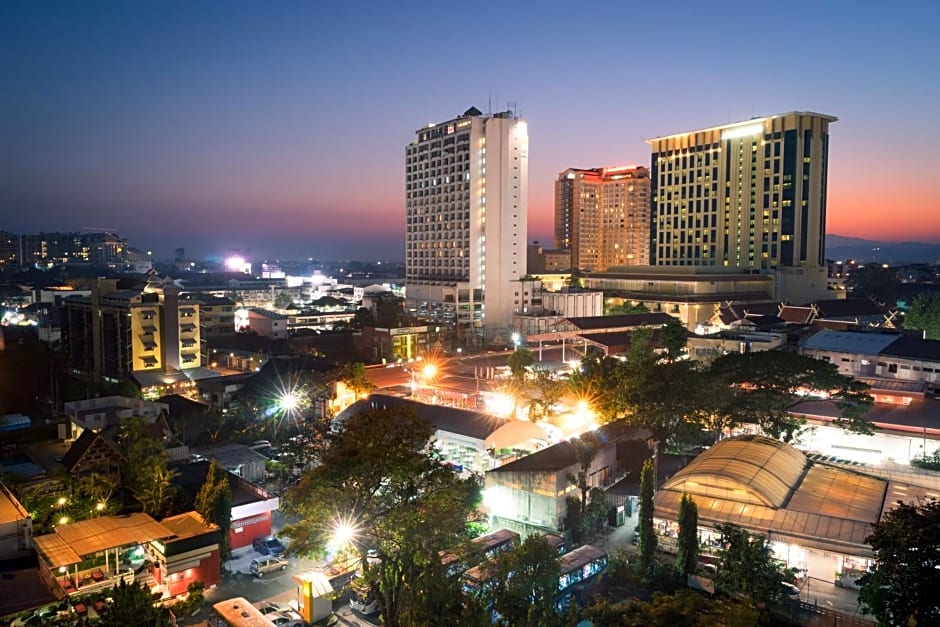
x: 281, y: 129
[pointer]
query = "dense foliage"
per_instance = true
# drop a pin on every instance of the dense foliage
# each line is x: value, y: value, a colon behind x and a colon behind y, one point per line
x: 377, y: 473
x: 924, y: 315
x: 687, y: 546
x: 901, y: 587
x: 746, y: 566
x: 646, y: 535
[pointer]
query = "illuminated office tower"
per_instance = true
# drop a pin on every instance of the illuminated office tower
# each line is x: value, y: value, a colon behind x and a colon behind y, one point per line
x: 602, y: 216
x: 748, y: 195
x: 466, y: 183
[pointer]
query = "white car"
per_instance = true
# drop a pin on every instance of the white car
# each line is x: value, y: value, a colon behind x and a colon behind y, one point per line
x: 286, y: 618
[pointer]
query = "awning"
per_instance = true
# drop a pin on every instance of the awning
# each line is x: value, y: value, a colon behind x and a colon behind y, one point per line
x: 318, y: 582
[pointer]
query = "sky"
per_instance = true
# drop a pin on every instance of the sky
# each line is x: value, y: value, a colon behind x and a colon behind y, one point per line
x: 278, y: 128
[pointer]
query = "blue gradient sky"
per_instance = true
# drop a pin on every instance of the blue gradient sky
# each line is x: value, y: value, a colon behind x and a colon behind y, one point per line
x: 280, y: 126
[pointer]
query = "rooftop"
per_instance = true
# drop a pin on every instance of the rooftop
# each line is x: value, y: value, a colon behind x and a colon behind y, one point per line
x: 754, y: 120
x: 850, y: 342
x: 620, y: 321
x: 449, y: 419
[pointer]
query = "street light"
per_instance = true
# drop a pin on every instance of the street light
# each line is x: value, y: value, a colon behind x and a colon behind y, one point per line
x: 289, y: 401
x: 516, y: 339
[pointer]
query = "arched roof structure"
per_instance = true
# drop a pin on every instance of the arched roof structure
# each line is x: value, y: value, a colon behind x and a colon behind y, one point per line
x: 747, y: 469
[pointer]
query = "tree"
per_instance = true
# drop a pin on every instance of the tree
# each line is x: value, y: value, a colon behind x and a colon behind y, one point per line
x: 362, y: 318
x: 746, y: 565
x: 132, y: 604
x: 673, y: 337
x: 98, y: 488
x: 145, y: 470
x: 523, y: 584
x: 379, y: 474
x: 518, y: 361
x: 766, y: 385
x: 685, y: 607
x: 874, y: 281
x: 924, y: 314
x: 214, y: 503
x: 901, y: 587
x: 687, y: 549
x: 356, y: 378
x: 283, y: 300
x: 646, y: 536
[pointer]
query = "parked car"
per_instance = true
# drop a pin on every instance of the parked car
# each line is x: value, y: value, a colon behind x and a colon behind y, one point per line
x: 790, y: 591
x: 268, y: 545
x: 260, y: 566
x: 282, y: 620
x: 271, y: 608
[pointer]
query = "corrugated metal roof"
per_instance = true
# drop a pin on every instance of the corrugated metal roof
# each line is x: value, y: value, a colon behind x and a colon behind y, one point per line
x: 748, y: 468
x: 850, y: 342
x: 829, y: 507
x: 71, y: 542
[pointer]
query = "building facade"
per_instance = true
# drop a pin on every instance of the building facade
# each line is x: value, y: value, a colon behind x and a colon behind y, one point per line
x: 750, y: 194
x: 466, y: 187
x: 117, y: 333
x: 602, y: 216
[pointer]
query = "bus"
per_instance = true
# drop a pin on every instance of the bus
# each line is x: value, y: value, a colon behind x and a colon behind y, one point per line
x: 577, y: 571
x: 238, y: 612
x: 483, y: 548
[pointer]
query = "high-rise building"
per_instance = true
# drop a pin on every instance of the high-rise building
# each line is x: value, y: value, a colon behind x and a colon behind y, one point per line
x: 602, y: 216
x: 748, y: 195
x: 144, y: 332
x: 466, y: 185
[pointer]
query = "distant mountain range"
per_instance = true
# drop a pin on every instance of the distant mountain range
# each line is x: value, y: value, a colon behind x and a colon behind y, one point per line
x: 840, y: 248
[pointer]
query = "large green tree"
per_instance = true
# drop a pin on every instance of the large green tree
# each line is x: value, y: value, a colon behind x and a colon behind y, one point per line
x: 673, y: 338
x: 378, y: 474
x: 924, y: 315
x: 746, y: 565
x: 766, y: 385
x: 132, y: 604
x: 518, y: 361
x: 356, y: 378
x: 687, y: 546
x: 523, y: 584
x: 685, y: 607
x: 214, y: 503
x: 145, y: 469
x: 646, y: 535
x: 901, y: 587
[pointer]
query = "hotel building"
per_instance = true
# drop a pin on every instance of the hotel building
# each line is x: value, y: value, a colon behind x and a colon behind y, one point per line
x: 748, y: 195
x: 602, y: 216
x: 145, y: 332
x: 466, y: 184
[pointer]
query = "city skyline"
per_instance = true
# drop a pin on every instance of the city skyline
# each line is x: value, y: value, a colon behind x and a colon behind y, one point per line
x: 280, y: 129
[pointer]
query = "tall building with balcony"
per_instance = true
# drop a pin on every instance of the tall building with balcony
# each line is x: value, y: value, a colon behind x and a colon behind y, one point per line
x: 749, y: 195
x: 602, y: 215
x: 466, y: 187
x: 118, y: 333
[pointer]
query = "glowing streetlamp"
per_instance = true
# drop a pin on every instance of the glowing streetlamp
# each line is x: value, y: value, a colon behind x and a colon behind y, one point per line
x: 289, y: 402
x: 516, y: 339
x: 429, y: 372
x: 344, y: 536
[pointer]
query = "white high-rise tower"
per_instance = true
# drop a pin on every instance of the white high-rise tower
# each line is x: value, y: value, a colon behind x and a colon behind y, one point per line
x: 466, y: 192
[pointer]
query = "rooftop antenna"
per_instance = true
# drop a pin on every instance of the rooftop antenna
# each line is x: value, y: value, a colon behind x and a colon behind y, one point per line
x: 511, y: 105
x: 489, y: 104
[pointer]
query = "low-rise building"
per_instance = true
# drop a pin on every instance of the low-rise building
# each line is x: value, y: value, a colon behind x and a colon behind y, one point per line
x: 529, y: 494
x: 193, y: 553
x: 818, y: 516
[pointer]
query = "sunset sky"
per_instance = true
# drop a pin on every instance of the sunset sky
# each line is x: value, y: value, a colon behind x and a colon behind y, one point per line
x: 280, y: 127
